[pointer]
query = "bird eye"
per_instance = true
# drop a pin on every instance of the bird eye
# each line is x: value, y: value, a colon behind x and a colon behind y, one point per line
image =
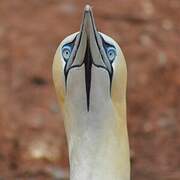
x: 111, y: 53
x: 66, y: 52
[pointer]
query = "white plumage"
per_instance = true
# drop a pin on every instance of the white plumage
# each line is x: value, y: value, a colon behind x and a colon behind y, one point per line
x: 90, y: 75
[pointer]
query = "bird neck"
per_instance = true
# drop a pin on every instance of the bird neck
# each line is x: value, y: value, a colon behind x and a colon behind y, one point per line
x: 98, y: 143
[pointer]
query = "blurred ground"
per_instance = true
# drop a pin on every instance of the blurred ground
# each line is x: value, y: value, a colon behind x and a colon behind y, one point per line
x: 32, y: 140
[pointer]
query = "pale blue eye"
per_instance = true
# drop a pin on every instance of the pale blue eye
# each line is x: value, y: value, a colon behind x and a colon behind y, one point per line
x: 66, y: 52
x: 111, y: 53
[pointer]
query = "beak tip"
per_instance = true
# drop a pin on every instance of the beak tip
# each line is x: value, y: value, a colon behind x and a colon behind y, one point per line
x: 87, y: 8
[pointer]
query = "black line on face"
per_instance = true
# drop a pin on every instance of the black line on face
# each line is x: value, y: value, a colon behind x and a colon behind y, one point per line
x: 105, y: 45
x: 88, y: 66
x: 66, y: 72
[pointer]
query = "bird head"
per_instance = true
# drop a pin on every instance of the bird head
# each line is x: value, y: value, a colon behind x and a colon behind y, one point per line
x: 89, y: 69
x: 89, y: 73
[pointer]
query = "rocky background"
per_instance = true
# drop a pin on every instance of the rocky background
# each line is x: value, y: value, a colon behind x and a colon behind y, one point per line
x: 32, y: 139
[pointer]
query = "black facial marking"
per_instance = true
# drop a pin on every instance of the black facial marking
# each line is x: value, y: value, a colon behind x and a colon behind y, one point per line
x: 88, y: 62
x: 72, y: 44
x: 88, y: 66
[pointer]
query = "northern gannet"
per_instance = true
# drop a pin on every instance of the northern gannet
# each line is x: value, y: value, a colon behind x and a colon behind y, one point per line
x: 90, y: 76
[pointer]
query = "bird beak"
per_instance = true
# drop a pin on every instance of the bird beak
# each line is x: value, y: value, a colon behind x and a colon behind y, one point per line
x: 88, y: 50
x: 88, y: 41
x: 94, y: 40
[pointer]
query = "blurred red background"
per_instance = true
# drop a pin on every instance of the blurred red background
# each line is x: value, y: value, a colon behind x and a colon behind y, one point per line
x: 32, y: 139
